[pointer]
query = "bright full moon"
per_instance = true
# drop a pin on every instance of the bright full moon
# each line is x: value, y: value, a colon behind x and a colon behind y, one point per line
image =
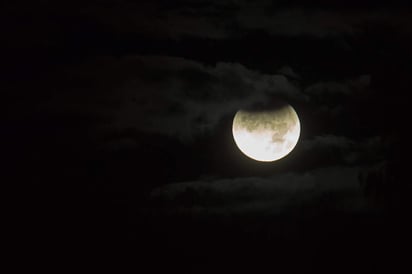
x: 266, y: 135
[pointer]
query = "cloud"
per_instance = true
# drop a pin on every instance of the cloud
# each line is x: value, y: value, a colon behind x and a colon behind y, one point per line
x: 291, y: 19
x: 294, y: 22
x: 332, y: 149
x: 160, y: 94
x: 328, y: 141
x: 345, y: 88
x: 106, y: 24
x: 338, y: 103
x: 327, y: 19
x: 320, y: 190
x: 222, y: 19
x: 289, y: 72
x: 183, y: 98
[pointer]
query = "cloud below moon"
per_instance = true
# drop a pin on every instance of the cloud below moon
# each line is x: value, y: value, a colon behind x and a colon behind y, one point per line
x: 272, y: 195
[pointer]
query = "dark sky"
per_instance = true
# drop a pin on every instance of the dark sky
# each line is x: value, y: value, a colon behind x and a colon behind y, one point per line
x: 118, y: 133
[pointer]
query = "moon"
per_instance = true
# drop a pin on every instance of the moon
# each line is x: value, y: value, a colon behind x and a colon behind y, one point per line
x: 267, y: 135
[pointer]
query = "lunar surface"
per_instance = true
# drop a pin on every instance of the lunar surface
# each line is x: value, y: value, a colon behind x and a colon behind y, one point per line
x: 266, y: 135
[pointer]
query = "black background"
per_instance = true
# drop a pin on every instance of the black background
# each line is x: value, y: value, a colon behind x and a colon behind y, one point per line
x: 79, y: 202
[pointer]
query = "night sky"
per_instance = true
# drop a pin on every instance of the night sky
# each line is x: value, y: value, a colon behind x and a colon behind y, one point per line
x: 118, y: 134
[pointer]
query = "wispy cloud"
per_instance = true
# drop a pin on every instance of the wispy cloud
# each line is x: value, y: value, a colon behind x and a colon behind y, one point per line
x: 320, y: 190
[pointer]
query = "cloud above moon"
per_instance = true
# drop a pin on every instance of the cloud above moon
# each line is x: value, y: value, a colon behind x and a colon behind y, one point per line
x: 223, y: 19
x: 199, y: 96
x: 168, y: 95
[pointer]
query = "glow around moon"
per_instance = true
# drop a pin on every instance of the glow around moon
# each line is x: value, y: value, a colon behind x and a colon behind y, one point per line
x: 267, y: 135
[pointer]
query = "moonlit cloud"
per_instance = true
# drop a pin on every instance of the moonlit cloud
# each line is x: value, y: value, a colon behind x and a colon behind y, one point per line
x: 277, y: 194
x: 192, y: 98
x: 345, y: 88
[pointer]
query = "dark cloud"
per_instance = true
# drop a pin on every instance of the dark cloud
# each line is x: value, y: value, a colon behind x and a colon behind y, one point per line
x: 96, y: 22
x: 289, y: 72
x: 338, y: 107
x: 336, y: 99
x: 172, y: 96
x: 343, y: 150
x: 277, y: 194
x: 329, y: 141
x: 351, y: 87
x: 291, y: 18
x: 316, y: 22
